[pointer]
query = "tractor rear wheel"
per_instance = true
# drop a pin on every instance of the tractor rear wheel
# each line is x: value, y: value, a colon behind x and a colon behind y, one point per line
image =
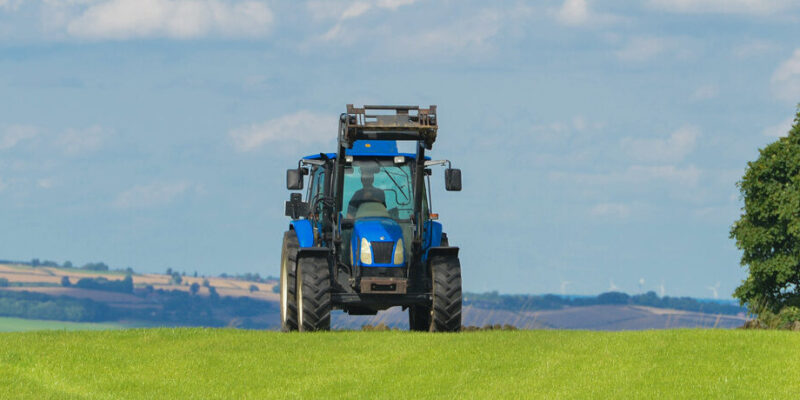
x: 446, y: 307
x: 313, y: 294
x: 288, y: 281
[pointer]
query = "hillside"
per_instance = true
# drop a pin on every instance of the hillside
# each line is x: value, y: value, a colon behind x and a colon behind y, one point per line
x: 167, y: 300
x: 224, y: 363
x: 601, y: 317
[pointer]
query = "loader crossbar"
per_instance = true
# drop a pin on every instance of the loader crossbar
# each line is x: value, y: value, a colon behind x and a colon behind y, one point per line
x: 391, y: 123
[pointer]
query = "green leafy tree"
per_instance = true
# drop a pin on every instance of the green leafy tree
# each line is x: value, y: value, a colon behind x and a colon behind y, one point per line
x: 768, y: 231
x: 65, y: 281
x: 194, y: 288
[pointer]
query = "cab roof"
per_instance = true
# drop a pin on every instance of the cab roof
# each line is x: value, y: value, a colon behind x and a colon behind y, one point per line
x: 372, y: 148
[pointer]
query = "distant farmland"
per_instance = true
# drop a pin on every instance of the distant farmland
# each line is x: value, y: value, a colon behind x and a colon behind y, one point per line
x: 227, y: 363
x: 169, y: 300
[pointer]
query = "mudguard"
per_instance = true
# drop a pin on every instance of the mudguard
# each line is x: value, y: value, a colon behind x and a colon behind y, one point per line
x: 442, y: 251
x: 433, y: 234
x: 312, y: 252
x: 304, y: 231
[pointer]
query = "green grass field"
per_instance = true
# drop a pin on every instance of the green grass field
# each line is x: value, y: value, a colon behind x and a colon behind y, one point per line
x: 223, y: 363
x: 8, y: 324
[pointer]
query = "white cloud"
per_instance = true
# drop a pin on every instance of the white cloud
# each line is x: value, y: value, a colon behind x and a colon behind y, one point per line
x: 471, y: 34
x: 705, y: 92
x: 578, y: 13
x: 177, y: 19
x: 152, y: 195
x: 786, y: 79
x: 616, y: 210
x: 394, y: 4
x: 635, y: 175
x: 640, y: 174
x: 640, y: 49
x: 573, y: 12
x: 754, y: 48
x: 10, y: 4
x: 748, y: 7
x: 672, y: 149
x: 344, y: 12
x: 289, y: 131
x: 780, y: 129
x: 14, y: 134
x: 44, y: 183
x: 77, y: 141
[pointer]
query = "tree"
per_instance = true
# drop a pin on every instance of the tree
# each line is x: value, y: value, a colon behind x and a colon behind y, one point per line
x: 768, y: 231
x: 65, y: 281
x: 127, y: 284
x: 212, y: 293
x: 67, y: 264
x: 194, y: 288
x: 253, y: 288
x: 205, y: 283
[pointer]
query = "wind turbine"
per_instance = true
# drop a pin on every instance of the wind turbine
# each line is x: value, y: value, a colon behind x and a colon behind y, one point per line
x: 714, y: 289
x: 564, y: 285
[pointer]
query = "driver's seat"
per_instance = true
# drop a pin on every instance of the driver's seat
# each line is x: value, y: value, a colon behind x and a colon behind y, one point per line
x: 371, y: 209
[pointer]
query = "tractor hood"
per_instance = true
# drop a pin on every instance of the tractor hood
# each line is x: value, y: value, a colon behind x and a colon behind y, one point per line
x: 382, y: 233
x: 377, y: 229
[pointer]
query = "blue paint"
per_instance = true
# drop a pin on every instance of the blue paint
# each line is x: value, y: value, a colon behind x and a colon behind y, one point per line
x: 375, y: 229
x: 371, y: 147
x: 377, y: 148
x: 432, y: 237
x: 304, y: 231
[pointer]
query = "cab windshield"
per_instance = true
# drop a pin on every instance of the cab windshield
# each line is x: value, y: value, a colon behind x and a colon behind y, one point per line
x: 370, y: 184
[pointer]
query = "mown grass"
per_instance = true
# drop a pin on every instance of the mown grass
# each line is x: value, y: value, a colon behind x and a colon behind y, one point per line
x: 224, y: 363
x: 9, y: 324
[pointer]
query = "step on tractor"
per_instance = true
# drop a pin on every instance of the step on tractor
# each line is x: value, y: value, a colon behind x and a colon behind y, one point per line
x: 365, y: 239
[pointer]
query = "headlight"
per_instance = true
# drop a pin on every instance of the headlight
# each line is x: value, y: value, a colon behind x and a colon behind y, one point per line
x: 398, y: 252
x: 366, y: 252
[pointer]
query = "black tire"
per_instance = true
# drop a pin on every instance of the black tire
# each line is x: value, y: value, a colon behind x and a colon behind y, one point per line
x: 313, y: 294
x: 446, y: 307
x: 419, y: 318
x: 288, y: 281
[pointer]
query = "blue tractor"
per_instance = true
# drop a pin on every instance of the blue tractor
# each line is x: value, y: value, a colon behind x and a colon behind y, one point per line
x: 365, y: 239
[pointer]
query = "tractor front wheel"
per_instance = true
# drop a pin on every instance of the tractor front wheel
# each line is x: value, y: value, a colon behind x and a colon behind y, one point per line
x: 445, y: 315
x: 313, y: 294
x: 289, y: 282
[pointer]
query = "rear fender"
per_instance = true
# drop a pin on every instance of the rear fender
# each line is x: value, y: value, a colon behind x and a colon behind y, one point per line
x: 441, y: 252
x: 304, y: 231
x: 320, y: 252
x: 433, y: 234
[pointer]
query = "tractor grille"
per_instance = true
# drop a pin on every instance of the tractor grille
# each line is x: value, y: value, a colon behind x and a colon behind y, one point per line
x: 382, y: 252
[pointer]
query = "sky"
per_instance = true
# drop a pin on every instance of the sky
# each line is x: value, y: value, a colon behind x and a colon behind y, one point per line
x: 600, y: 141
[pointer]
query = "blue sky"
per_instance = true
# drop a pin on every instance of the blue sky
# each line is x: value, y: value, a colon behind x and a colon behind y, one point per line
x: 600, y: 141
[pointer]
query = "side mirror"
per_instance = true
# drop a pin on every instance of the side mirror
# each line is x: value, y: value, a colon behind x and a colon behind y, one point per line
x: 452, y: 179
x: 294, y: 178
